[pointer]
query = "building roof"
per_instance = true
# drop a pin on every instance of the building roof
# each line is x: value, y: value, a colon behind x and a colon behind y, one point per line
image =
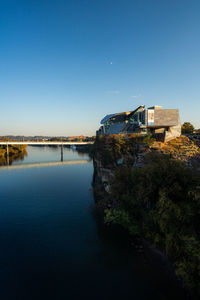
x: 107, y: 118
x: 126, y: 113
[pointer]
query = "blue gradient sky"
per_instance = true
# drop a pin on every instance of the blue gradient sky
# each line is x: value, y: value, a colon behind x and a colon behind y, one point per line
x: 56, y: 76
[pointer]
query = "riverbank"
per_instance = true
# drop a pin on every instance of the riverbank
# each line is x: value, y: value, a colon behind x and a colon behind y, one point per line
x: 152, y: 190
x: 16, y: 152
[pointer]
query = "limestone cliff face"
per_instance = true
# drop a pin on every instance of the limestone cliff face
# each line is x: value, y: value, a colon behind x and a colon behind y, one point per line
x: 102, y: 176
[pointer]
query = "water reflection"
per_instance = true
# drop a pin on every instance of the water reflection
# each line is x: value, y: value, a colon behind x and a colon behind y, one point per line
x: 44, y: 164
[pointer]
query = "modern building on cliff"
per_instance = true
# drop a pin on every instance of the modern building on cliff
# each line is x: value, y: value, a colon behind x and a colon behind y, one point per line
x: 162, y: 122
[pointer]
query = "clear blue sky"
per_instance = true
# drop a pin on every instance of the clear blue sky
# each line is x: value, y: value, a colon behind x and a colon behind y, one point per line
x: 64, y: 64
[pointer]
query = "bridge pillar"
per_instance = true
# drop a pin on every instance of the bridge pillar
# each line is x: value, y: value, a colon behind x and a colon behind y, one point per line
x: 7, y: 154
x: 61, y: 152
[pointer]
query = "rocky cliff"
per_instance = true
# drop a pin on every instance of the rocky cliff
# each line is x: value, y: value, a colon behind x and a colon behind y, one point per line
x: 152, y: 189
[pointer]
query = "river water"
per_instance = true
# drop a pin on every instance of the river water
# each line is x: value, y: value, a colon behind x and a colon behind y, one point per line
x: 51, y: 245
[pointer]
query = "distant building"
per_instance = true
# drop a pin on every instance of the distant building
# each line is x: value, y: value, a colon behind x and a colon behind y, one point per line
x: 162, y: 122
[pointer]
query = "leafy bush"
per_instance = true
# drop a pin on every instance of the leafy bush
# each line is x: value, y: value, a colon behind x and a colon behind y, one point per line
x: 113, y: 147
x: 187, y: 127
x: 161, y: 201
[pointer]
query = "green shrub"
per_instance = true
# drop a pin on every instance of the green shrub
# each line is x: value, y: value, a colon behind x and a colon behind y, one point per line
x: 161, y: 201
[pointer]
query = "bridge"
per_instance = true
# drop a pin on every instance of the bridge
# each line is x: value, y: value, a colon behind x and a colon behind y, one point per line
x: 42, y: 143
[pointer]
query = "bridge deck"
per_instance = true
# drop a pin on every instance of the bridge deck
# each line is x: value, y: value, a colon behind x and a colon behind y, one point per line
x: 45, y: 143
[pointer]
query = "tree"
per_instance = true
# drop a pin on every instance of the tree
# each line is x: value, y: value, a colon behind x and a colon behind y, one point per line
x: 187, y: 127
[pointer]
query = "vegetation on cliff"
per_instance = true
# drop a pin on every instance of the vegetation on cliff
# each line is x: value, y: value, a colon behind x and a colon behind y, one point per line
x: 160, y: 200
x: 110, y: 149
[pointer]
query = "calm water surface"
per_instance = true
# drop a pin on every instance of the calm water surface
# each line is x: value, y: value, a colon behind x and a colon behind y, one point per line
x: 51, y: 246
